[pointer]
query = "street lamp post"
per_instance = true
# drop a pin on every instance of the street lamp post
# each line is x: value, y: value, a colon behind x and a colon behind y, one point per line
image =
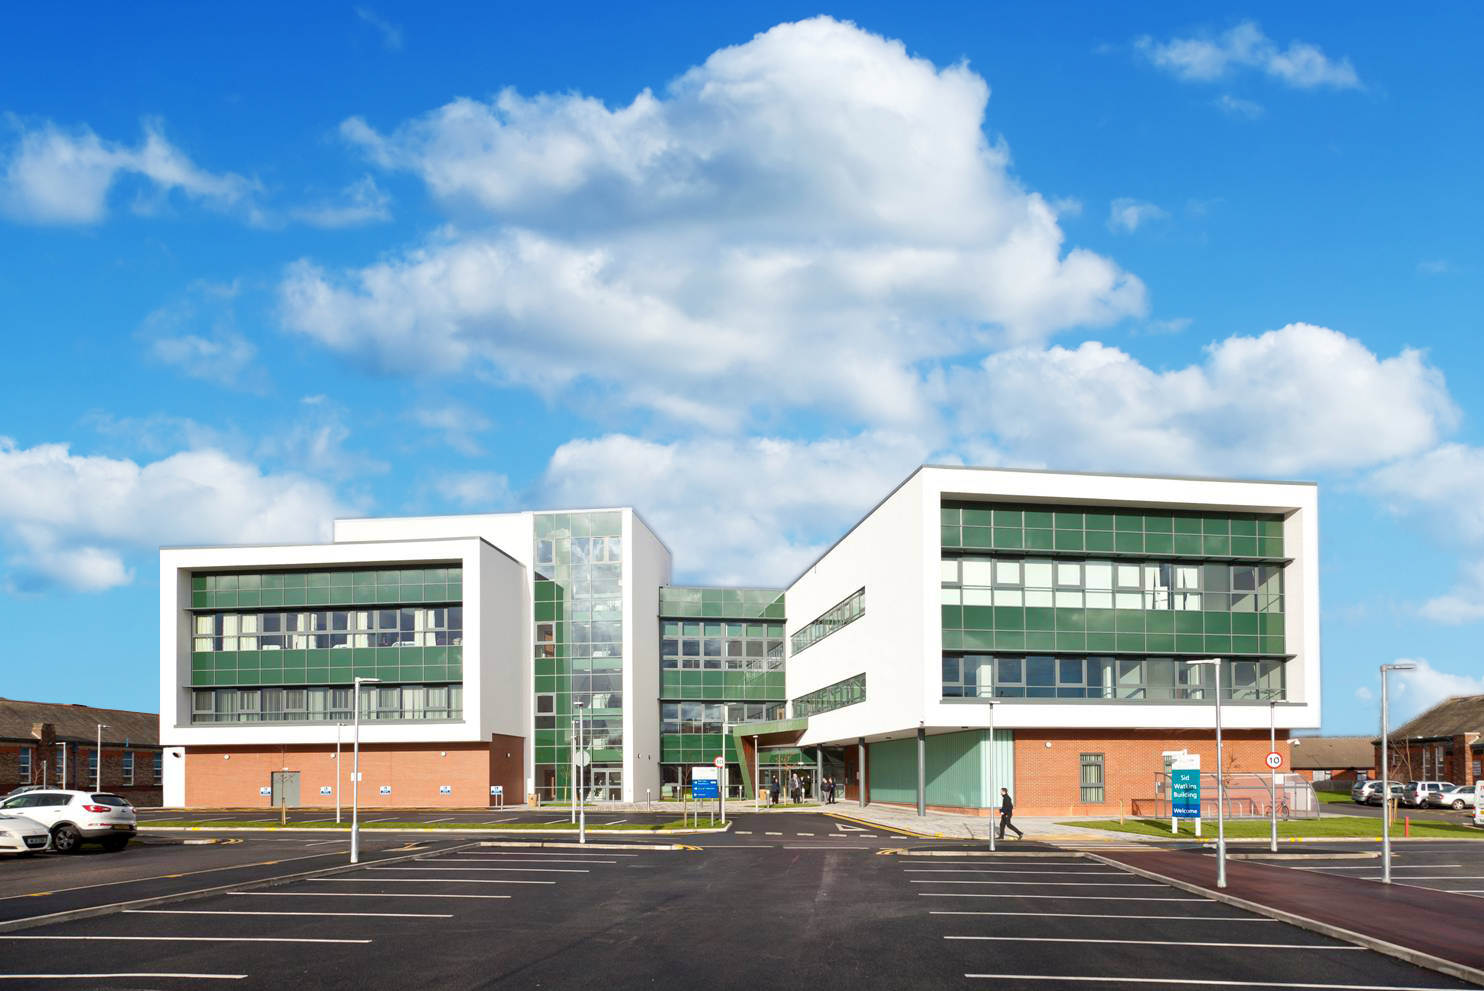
x: 98, y: 758
x: 355, y: 771
x: 993, y: 826
x: 1215, y: 663
x: 580, y: 756
x: 338, y: 727
x: 1273, y: 774
x: 1386, y: 775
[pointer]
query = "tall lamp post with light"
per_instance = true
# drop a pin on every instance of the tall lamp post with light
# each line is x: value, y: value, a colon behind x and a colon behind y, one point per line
x: 1273, y: 772
x: 993, y: 826
x: 355, y: 771
x: 1386, y: 774
x: 1215, y: 664
x: 580, y: 757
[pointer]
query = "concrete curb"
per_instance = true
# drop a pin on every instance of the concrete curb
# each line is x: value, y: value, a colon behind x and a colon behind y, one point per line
x: 903, y: 852
x: 1353, y: 855
x: 113, y: 908
x: 1404, y: 953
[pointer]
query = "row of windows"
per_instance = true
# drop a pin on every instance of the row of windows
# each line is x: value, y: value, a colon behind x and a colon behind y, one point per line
x: 345, y: 578
x: 1149, y: 679
x: 581, y: 550
x: 842, y: 615
x: 1092, y: 584
x: 1123, y: 521
x: 836, y: 696
x: 710, y: 717
x: 325, y: 704
x: 26, y: 766
x: 328, y: 629
x: 751, y: 603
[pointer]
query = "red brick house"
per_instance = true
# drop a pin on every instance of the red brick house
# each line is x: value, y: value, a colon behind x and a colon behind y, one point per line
x: 1445, y: 743
x: 55, y: 744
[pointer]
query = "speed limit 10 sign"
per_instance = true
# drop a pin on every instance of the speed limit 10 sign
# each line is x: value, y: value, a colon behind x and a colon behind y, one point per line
x: 720, y: 762
x: 1275, y: 760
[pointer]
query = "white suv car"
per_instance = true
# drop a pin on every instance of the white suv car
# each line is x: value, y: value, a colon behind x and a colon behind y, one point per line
x: 74, y: 817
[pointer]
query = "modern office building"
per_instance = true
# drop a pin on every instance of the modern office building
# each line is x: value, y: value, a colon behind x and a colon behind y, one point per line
x: 1063, y: 607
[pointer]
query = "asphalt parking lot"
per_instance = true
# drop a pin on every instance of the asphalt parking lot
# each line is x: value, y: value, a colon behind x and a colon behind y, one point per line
x: 796, y: 910
x: 1441, y: 866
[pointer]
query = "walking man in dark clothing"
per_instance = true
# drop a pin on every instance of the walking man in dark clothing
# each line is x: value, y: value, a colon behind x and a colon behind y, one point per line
x: 1007, y: 809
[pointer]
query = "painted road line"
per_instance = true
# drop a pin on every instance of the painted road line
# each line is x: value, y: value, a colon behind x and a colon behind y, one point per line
x: 615, y: 822
x: 803, y: 834
x: 1070, y: 898
x: 1372, y: 867
x: 326, y: 915
x: 383, y: 819
x: 1094, y: 915
x: 429, y: 880
x: 356, y: 894
x: 496, y: 822
x: 1149, y: 942
x: 181, y: 939
x: 987, y: 870
x: 508, y: 870
x: 449, y: 819
x: 1051, y: 884
x: 1205, y: 983
x: 162, y: 877
x: 770, y: 833
x: 441, y: 860
x: 554, y: 821
x: 119, y: 976
x: 823, y: 847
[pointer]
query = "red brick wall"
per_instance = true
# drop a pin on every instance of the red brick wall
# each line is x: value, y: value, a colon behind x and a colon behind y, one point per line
x: 229, y: 777
x: 145, y: 790
x: 1048, y: 778
x: 1458, y: 760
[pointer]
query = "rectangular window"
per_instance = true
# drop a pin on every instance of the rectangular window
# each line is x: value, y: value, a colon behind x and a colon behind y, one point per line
x: 1092, y: 779
x: 25, y: 766
x: 128, y: 768
x: 159, y: 762
x: 841, y: 615
x: 836, y: 696
x: 93, y: 768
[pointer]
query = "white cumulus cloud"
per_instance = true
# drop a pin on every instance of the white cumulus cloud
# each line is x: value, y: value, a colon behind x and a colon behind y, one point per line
x: 79, y: 521
x: 1127, y: 215
x: 735, y: 511
x: 801, y: 220
x: 1301, y: 399
x: 1414, y: 692
x: 1301, y: 65
x: 362, y: 202
x: 59, y: 176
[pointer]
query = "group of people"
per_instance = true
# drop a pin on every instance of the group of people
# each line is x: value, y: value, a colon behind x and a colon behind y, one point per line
x: 798, y: 787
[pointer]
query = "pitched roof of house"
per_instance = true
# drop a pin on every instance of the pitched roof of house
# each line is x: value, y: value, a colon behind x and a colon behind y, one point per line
x: 1320, y: 753
x: 78, y: 722
x: 1453, y: 717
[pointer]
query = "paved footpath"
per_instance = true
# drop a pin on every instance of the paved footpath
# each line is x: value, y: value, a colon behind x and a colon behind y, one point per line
x: 1437, y: 923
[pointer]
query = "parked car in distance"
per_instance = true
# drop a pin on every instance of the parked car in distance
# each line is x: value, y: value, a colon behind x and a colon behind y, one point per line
x: 1416, y: 792
x: 1374, y: 798
x: 21, y: 835
x: 1458, y: 799
x: 22, y: 790
x: 74, y: 817
x: 1360, y: 792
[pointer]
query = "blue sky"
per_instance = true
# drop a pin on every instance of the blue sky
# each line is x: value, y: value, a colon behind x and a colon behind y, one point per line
x: 743, y: 268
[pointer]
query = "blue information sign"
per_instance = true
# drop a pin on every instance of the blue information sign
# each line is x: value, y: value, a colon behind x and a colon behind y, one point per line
x: 1185, y: 794
x: 704, y: 788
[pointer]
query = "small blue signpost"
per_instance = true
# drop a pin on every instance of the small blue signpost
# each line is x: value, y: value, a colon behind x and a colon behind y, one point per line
x: 1185, y: 794
x: 701, y: 788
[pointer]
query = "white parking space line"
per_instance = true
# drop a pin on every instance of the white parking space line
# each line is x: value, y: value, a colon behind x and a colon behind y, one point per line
x: 803, y: 834
x: 449, y: 819
x: 615, y: 822
x: 992, y: 870
x: 507, y: 870
x: 512, y: 861
x: 1203, y: 983
x: 428, y: 880
x: 772, y: 834
x: 496, y: 822
x: 1052, y: 884
x: 1094, y: 915
x: 826, y: 848
x: 1374, y: 867
x: 383, y: 819
x: 121, y: 976
x: 1002, y: 863
x: 553, y: 822
x: 181, y: 939
x: 1076, y: 898
x: 1149, y: 942
x: 356, y: 894
x: 744, y: 832
x: 327, y: 915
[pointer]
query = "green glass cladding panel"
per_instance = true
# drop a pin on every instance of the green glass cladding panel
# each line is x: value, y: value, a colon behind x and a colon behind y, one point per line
x: 442, y: 583
x: 954, y: 768
x: 1073, y: 529
x: 681, y: 602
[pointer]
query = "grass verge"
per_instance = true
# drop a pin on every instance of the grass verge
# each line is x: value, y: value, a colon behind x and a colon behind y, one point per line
x: 505, y: 827
x: 1338, y: 827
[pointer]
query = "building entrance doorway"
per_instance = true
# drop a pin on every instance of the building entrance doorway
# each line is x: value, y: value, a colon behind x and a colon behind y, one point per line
x: 605, y: 784
x: 788, y: 778
x: 285, y: 789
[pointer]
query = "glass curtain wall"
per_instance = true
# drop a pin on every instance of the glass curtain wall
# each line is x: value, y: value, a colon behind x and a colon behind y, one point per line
x: 578, y: 627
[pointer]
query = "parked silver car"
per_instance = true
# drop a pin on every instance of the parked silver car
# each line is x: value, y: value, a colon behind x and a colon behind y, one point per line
x: 1416, y: 792
x: 73, y: 817
x: 1458, y: 799
x: 1360, y: 792
x: 1374, y: 797
x: 21, y: 835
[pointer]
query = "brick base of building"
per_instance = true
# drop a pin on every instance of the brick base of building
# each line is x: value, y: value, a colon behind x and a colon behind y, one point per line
x: 392, y: 776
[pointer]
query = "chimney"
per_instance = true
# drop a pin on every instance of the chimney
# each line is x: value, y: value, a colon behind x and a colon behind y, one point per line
x: 44, y: 733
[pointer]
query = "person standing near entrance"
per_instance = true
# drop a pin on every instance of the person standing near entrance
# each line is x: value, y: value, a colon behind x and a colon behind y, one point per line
x: 774, y: 790
x: 1007, y: 809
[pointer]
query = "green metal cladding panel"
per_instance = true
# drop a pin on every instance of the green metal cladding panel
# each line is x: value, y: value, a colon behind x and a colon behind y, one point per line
x: 326, y: 667
x: 1073, y: 530
x: 722, y: 686
x: 680, y: 602
x: 1135, y: 631
x: 694, y: 748
x: 954, y: 765
x: 343, y: 587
